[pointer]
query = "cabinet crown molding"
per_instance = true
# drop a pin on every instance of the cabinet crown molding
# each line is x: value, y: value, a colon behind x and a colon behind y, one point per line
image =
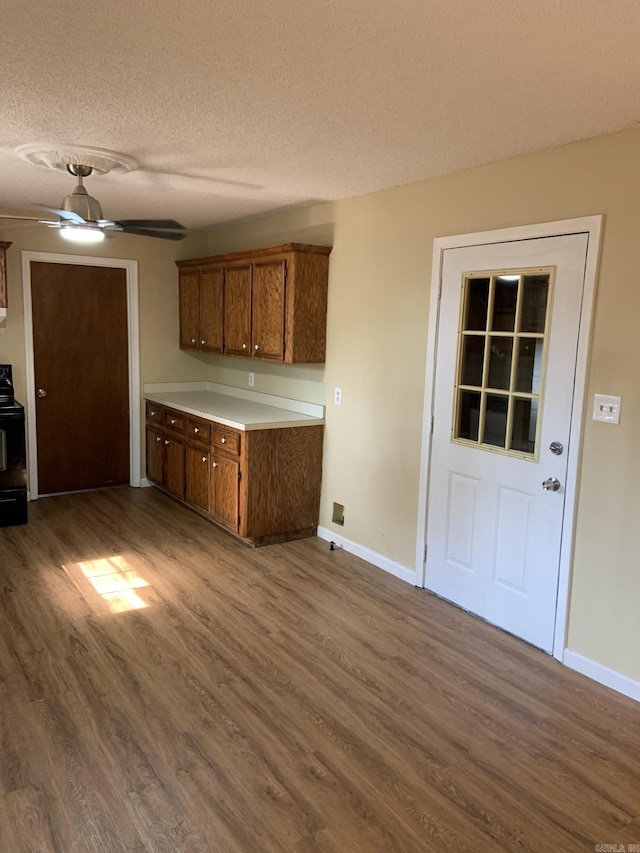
x: 251, y: 254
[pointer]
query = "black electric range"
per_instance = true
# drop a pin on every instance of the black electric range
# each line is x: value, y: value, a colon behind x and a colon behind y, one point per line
x: 13, y: 457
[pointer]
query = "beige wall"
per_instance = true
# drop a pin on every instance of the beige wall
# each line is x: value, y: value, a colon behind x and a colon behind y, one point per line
x: 160, y: 358
x: 377, y: 336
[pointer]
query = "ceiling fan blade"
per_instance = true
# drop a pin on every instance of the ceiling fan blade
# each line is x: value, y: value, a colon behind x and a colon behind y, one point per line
x: 157, y: 224
x: 28, y: 219
x: 151, y: 232
x: 66, y: 215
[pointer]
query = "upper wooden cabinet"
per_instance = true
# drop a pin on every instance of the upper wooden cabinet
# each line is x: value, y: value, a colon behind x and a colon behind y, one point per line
x: 269, y: 303
x: 3, y: 281
x: 201, y: 292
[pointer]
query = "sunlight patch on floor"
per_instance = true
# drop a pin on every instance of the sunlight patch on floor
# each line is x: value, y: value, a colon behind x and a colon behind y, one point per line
x: 115, y: 582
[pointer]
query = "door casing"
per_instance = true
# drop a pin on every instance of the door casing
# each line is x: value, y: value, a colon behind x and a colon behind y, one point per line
x: 592, y: 226
x: 131, y: 270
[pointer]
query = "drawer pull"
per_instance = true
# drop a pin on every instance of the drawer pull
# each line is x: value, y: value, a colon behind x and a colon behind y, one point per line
x: 166, y: 441
x: 215, y: 464
x: 173, y: 421
x: 196, y: 430
x: 223, y: 440
x: 204, y: 459
x: 158, y: 438
x: 152, y: 413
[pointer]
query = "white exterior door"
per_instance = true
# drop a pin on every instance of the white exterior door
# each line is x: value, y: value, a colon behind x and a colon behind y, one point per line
x: 506, y: 354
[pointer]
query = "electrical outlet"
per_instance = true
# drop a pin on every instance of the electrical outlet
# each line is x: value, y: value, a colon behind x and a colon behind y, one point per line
x: 252, y: 380
x: 337, y: 396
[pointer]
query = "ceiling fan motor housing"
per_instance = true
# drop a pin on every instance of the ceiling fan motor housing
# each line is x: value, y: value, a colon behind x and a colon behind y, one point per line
x: 83, y: 204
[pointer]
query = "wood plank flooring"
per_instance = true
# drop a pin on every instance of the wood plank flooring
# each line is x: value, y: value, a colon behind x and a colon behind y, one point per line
x: 165, y: 688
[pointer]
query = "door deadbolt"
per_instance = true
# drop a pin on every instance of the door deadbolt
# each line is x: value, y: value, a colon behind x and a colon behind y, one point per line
x: 556, y: 448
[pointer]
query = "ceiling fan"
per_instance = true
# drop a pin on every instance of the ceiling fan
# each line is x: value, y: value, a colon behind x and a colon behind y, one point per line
x: 81, y: 219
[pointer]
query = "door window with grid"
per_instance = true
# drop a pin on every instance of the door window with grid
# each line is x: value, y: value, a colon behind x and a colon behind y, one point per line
x: 501, y: 357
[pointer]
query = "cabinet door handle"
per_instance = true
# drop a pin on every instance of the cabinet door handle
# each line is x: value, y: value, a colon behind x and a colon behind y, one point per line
x: 215, y: 464
x: 166, y: 441
x: 256, y: 347
x: 202, y: 342
x: 204, y: 459
x: 158, y: 438
x: 193, y: 340
x: 223, y: 440
x: 244, y: 346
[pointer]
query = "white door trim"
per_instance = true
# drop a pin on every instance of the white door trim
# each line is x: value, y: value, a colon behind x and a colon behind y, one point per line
x: 131, y: 270
x: 592, y: 226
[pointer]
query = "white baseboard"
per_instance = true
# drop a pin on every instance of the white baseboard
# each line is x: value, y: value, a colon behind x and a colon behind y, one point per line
x: 609, y: 677
x: 384, y: 563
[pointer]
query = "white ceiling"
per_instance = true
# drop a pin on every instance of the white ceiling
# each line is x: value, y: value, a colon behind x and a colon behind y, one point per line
x: 238, y: 108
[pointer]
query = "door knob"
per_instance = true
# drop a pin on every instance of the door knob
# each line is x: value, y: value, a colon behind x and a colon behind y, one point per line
x: 552, y: 484
x: 41, y: 392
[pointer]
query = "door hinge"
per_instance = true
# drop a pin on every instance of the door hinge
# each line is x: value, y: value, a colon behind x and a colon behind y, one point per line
x: 431, y: 426
x: 424, y: 555
x: 239, y: 475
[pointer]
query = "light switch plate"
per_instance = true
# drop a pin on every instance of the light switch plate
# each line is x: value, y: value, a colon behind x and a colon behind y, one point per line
x: 606, y: 408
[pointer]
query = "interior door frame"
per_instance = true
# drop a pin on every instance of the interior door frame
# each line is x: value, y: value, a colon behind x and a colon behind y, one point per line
x: 592, y: 226
x: 133, y: 334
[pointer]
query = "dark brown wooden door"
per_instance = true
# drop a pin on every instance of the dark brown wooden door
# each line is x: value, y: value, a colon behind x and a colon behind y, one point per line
x: 80, y: 351
x: 225, y: 490
x: 198, y: 479
x: 237, y: 310
x: 267, y: 310
x: 210, y: 308
x: 188, y: 308
x: 174, y: 465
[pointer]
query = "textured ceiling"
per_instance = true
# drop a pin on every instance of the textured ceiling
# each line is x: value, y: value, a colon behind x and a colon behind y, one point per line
x: 236, y: 109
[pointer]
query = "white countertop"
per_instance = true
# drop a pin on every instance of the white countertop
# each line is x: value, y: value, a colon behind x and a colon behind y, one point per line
x: 235, y: 407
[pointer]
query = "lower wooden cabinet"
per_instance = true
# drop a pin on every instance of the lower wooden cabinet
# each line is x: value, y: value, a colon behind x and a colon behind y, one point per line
x: 198, y: 488
x: 261, y: 485
x: 165, y: 461
x: 225, y: 491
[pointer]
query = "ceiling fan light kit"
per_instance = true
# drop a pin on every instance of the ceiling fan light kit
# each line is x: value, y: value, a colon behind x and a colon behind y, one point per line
x: 82, y: 233
x: 81, y: 218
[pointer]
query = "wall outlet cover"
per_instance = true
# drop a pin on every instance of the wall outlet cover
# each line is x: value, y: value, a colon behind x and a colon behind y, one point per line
x: 607, y: 408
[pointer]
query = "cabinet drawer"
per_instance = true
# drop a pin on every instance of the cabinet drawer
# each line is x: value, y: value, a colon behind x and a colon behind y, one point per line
x: 199, y: 430
x: 174, y: 420
x: 225, y: 439
x: 155, y: 413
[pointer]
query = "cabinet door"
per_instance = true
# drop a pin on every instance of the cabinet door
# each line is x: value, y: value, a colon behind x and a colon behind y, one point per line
x: 237, y: 310
x: 155, y: 456
x: 198, y: 479
x: 210, y: 308
x: 267, y: 309
x: 225, y: 476
x: 174, y: 465
x: 188, y: 308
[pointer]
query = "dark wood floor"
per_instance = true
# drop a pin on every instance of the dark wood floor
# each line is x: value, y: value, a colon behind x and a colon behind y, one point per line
x: 165, y: 688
